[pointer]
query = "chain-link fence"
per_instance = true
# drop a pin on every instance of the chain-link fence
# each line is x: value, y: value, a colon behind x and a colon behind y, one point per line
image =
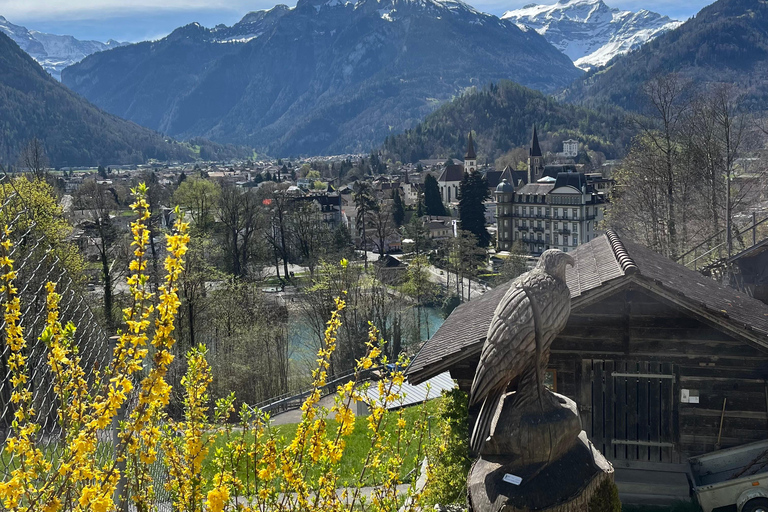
x: 41, y: 254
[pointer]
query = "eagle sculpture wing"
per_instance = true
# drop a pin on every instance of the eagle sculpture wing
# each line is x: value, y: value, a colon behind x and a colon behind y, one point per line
x: 533, y: 311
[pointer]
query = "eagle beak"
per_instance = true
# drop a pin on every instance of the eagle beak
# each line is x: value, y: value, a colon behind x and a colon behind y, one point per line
x: 569, y: 260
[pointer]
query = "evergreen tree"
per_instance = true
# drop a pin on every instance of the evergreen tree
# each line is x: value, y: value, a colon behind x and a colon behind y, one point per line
x: 398, y: 209
x: 432, y: 201
x: 420, y: 209
x: 473, y: 191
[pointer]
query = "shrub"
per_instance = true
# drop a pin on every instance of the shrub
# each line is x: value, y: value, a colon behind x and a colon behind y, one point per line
x: 252, y: 469
x: 448, y: 454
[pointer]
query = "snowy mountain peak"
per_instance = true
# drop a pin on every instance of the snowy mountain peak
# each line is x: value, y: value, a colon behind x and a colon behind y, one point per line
x: 590, y: 32
x: 53, y: 52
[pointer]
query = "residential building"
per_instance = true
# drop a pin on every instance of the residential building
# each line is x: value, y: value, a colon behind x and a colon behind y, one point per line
x: 451, y: 177
x: 570, y: 148
x: 553, y: 213
x: 556, y: 208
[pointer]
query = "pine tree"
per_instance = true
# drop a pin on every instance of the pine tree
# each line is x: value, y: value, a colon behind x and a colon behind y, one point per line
x: 398, y: 210
x: 473, y: 191
x: 420, y: 209
x: 432, y: 201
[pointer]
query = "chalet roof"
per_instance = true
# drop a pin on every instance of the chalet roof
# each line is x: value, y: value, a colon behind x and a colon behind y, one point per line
x: 606, y: 263
x: 452, y: 173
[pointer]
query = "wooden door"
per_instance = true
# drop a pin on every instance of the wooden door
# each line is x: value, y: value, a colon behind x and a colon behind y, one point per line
x: 628, y: 409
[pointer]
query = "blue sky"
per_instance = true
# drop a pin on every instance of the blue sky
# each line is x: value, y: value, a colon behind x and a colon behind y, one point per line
x: 138, y: 20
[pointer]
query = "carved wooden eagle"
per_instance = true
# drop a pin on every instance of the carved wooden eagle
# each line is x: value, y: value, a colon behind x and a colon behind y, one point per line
x: 531, y: 314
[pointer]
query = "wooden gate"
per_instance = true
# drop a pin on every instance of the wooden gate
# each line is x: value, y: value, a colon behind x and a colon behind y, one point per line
x: 628, y: 409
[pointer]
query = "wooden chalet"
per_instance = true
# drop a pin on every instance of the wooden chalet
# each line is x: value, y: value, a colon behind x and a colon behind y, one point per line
x: 656, y: 355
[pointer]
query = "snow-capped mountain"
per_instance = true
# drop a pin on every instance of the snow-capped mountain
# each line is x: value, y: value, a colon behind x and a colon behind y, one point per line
x: 53, y: 52
x: 590, y: 32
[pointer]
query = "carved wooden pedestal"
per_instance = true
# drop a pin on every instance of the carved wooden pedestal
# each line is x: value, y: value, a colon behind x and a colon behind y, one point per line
x: 537, y: 458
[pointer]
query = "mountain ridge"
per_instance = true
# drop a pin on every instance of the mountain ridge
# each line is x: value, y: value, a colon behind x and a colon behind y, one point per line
x: 357, y: 72
x: 590, y: 32
x: 73, y: 131
x: 53, y: 52
x: 726, y: 42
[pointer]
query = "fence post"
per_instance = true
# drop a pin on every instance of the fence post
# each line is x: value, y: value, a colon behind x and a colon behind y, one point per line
x: 119, y: 498
x: 754, y: 228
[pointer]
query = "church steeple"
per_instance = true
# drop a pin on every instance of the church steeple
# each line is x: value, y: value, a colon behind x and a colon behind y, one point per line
x: 535, y: 148
x: 471, y: 155
x: 535, y: 159
x: 470, y: 159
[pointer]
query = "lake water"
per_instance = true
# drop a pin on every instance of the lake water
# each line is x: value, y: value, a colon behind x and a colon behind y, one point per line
x: 302, y: 338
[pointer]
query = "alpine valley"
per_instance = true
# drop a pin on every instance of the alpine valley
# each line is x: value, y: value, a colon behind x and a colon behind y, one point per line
x: 53, y: 52
x: 590, y: 32
x: 324, y: 77
x: 73, y: 131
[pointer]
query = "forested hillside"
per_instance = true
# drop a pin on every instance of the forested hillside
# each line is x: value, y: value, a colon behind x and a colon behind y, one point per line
x: 325, y: 77
x: 726, y: 42
x: 74, y: 132
x: 501, y: 116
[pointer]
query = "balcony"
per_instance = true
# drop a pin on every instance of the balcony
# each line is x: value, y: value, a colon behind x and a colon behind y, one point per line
x: 564, y: 231
x: 538, y: 229
x: 531, y: 216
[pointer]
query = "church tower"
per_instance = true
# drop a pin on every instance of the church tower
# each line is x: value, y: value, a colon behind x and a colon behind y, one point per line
x: 535, y: 159
x: 470, y: 159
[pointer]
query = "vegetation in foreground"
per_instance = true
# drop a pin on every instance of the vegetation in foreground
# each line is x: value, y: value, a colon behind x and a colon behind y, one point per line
x: 305, y: 473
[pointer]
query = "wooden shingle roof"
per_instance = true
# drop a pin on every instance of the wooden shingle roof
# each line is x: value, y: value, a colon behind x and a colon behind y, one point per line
x: 603, y: 264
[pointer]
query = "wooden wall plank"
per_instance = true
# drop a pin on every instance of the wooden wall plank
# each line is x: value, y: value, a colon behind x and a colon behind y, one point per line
x: 598, y: 397
x: 620, y: 428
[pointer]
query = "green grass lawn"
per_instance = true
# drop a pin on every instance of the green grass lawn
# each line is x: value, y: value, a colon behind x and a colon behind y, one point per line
x: 357, y: 445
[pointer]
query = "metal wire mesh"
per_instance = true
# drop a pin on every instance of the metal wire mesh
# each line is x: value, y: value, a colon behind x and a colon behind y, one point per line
x: 38, y: 261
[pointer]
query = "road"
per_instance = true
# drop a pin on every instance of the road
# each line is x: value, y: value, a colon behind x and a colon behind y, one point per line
x: 438, y: 275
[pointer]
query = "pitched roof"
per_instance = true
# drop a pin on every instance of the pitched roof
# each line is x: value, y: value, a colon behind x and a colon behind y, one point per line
x: 493, y: 178
x: 452, y: 173
x: 605, y: 261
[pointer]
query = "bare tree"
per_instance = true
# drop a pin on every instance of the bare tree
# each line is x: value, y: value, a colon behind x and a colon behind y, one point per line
x: 240, y: 217
x: 97, y: 201
x: 383, y: 226
x: 668, y: 102
x: 275, y: 199
x: 310, y: 233
x: 364, y: 203
x: 34, y: 158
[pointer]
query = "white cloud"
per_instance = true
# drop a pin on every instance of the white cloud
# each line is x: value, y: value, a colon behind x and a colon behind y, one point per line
x: 96, y: 9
